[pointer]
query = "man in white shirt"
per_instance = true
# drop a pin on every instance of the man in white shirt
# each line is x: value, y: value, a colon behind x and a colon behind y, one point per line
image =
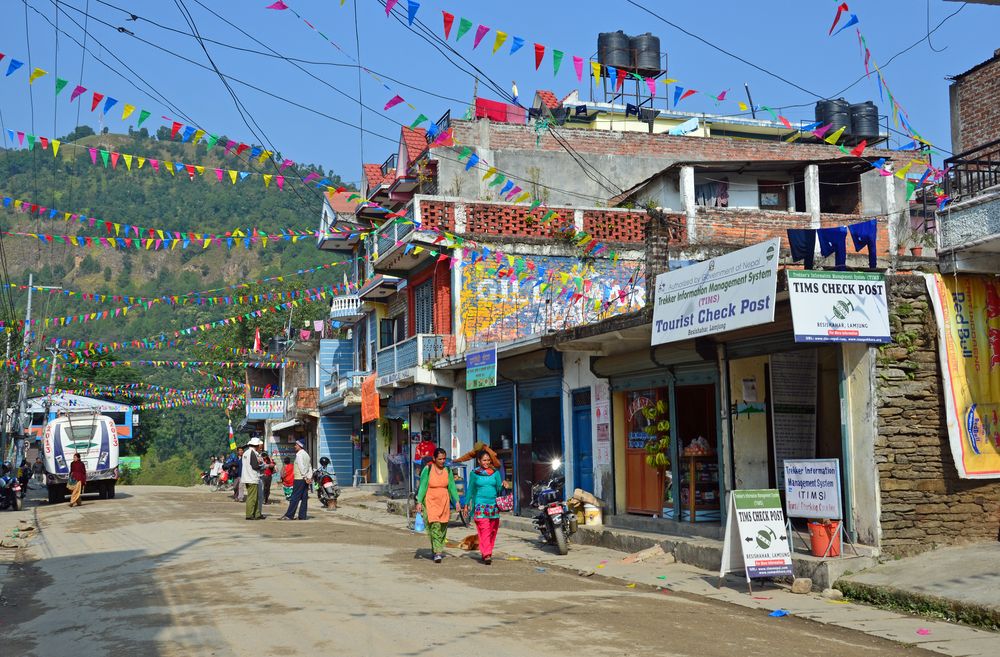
x: 214, y: 472
x: 252, y: 465
x: 302, y: 477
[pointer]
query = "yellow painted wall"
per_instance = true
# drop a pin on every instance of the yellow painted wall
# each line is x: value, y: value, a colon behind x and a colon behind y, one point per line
x: 749, y: 429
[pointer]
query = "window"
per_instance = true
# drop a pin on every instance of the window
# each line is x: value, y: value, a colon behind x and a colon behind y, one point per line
x: 362, y: 343
x: 423, y: 307
x: 386, y: 332
x: 713, y: 194
x: 772, y: 195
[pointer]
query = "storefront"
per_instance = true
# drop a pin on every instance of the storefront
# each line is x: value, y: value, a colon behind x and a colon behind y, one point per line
x: 493, y: 417
x: 419, y: 412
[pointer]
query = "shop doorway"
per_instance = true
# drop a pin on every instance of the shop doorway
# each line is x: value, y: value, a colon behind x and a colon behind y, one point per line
x: 583, y: 449
x: 644, y: 485
x: 539, y: 443
x: 697, y: 454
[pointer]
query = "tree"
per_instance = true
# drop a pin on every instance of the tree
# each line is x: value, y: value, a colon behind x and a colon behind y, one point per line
x: 79, y: 132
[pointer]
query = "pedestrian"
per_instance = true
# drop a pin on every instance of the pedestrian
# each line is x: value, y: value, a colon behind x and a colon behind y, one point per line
x: 266, y: 475
x: 302, y: 477
x: 485, y: 485
x: 252, y: 465
x: 24, y: 476
x: 215, y: 471
x: 287, y: 477
x: 239, y: 492
x: 437, y: 490
x: 38, y: 468
x: 78, y: 479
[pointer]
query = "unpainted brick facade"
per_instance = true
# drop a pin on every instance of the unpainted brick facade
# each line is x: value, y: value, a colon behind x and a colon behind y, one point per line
x: 975, y: 106
x: 924, y: 502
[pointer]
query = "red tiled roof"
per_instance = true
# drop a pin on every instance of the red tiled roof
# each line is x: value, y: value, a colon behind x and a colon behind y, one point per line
x: 339, y: 203
x: 373, y: 174
x: 416, y: 143
x: 548, y: 98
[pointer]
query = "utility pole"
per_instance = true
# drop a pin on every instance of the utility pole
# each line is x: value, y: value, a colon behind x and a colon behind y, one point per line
x: 6, y: 391
x: 24, y: 421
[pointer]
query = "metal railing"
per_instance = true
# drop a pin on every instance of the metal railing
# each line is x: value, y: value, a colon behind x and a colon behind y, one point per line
x: 389, y: 233
x: 265, y: 408
x: 389, y: 164
x: 973, y: 171
x: 421, y: 349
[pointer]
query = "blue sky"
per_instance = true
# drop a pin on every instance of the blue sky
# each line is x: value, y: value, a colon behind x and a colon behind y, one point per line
x: 786, y: 37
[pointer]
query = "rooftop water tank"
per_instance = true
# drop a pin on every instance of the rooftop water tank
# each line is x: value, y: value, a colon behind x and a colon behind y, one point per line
x: 864, y: 120
x: 614, y: 49
x: 835, y: 112
x: 646, y: 51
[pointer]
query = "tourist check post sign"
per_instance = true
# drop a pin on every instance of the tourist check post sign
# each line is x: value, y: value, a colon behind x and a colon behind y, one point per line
x: 725, y: 293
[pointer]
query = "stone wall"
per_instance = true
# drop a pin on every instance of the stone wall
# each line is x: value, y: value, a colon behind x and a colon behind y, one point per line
x: 924, y: 504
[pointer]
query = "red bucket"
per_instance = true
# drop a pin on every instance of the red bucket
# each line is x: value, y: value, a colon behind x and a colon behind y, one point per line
x: 825, y: 537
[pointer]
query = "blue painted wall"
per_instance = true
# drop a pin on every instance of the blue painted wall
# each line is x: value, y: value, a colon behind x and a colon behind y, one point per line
x: 334, y: 440
x: 334, y: 353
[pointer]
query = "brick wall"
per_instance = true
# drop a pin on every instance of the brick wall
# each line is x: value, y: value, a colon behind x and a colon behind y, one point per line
x: 616, y: 226
x: 738, y: 227
x: 662, y: 231
x: 924, y: 503
x: 975, y: 98
x: 512, y: 220
x: 674, y: 148
x: 437, y: 214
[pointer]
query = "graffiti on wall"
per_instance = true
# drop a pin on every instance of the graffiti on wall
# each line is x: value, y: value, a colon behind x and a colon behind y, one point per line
x: 500, y: 303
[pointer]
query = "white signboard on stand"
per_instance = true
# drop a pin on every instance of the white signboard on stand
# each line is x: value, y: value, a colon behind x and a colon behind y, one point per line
x: 812, y: 488
x: 756, y: 522
x: 725, y: 293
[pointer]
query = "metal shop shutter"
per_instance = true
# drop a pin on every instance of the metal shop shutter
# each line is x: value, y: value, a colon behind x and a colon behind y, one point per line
x: 495, y: 403
x: 549, y: 386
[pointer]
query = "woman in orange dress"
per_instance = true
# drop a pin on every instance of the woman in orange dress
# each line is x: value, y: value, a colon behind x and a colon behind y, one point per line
x: 434, y: 496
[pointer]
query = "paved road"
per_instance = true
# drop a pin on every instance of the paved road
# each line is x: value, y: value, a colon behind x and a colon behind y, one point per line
x: 165, y: 572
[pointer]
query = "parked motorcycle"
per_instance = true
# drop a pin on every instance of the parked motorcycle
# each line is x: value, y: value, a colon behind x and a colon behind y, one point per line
x: 10, y: 491
x: 327, y: 489
x: 555, y: 522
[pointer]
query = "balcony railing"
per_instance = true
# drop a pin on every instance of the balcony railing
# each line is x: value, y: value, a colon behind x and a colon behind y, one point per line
x: 269, y: 408
x: 421, y: 349
x: 389, y: 234
x: 973, y: 171
x: 345, y: 307
x: 341, y: 386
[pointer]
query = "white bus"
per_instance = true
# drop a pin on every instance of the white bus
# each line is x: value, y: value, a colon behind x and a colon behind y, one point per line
x: 92, y: 436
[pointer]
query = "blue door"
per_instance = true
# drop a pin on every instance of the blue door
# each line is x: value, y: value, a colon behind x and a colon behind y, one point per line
x: 583, y: 446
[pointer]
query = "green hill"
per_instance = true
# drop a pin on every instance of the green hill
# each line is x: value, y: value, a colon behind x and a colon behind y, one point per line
x: 71, y: 182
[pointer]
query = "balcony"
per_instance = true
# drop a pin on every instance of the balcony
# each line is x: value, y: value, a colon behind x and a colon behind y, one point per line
x: 399, y: 248
x: 343, y: 391
x: 269, y: 408
x: 409, y: 361
x: 969, y: 226
x: 300, y: 402
x: 346, y: 308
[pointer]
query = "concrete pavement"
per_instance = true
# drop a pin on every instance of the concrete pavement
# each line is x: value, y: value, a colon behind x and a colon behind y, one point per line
x: 165, y: 571
x: 957, y: 583
x: 592, y: 561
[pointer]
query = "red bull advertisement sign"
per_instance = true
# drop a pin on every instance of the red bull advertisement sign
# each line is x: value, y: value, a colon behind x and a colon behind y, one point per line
x: 967, y: 309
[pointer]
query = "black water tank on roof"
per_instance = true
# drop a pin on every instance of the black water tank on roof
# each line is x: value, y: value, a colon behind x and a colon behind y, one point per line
x: 646, y: 51
x: 835, y: 112
x: 613, y: 49
x: 864, y: 120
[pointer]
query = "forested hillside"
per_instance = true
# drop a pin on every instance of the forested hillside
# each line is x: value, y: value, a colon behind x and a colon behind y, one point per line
x: 77, y: 181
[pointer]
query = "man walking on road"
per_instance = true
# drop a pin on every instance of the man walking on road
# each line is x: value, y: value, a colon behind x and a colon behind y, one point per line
x: 300, y: 487
x: 252, y: 465
x: 38, y: 469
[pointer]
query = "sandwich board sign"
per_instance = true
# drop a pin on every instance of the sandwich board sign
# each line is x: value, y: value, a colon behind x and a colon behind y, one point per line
x: 756, y: 522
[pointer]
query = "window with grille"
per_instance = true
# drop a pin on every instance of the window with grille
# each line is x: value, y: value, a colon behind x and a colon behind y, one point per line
x: 423, y: 307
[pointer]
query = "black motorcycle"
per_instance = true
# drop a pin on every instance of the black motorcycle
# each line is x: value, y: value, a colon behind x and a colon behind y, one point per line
x: 555, y: 522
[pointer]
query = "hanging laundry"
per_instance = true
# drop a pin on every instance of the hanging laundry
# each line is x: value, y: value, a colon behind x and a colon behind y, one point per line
x: 863, y: 235
x: 803, y: 245
x: 834, y: 240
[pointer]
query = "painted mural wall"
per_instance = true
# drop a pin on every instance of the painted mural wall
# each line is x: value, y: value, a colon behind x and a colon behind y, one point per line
x: 502, y: 301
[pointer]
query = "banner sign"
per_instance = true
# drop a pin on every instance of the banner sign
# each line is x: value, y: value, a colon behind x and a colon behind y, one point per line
x: 725, y: 293
x: 481, y: 368
x: 130, y: 462
x: 812, y: 489
x: 838, y: 306
x: 757, y: 522
x: 967, y: 311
